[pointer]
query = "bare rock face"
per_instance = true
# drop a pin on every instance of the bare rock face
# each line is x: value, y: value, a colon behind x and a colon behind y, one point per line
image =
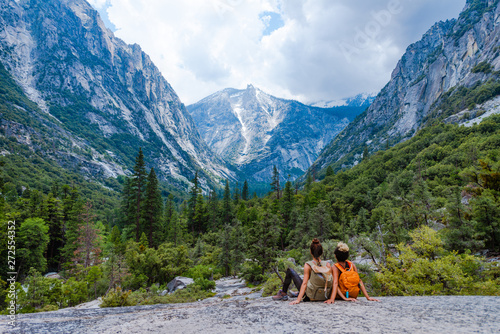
x: 441, y: 60
x: 101, y: 90
x: 441, y: 314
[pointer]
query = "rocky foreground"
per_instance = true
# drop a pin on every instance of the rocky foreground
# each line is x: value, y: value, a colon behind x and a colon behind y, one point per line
x: 253, y: 314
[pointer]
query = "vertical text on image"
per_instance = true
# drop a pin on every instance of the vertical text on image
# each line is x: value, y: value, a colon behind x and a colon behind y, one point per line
x: 12, y: 273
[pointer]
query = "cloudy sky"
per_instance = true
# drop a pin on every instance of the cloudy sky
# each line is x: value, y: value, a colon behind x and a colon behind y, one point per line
x: 309, y: 50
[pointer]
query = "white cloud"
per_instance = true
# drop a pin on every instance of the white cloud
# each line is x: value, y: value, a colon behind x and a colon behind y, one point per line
x: 98, y: 4
x: 326, y: 49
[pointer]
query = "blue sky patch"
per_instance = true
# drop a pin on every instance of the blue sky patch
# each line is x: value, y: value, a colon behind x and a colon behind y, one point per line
x: 272, y: 21
x: 103, y: 12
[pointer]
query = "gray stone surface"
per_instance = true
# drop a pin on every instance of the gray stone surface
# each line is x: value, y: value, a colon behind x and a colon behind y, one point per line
x: 231, y: 287
x: 179, y: 283
x: 447, y: 314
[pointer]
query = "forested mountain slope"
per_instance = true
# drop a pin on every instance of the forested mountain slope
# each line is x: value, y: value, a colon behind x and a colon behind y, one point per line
x: 105, y: 98
x: 453, y: 67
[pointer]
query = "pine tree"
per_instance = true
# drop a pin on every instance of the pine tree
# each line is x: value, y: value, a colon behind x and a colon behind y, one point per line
x: 127, y: 216
x: 225, y: 246
x: 244, y: 192
x: 32, y: 243
x: 200, y: 215
x: 238, y: 246
x: 309, y: 181
x: 72, y: 207
x: 177, y: 229
x: 193, y: 198
x: 115, y: 267
x: 286, y: 212
x: 236, y: 194
x: 226, y: 204
x: 275, y: 184
x: 329, y: 171
x: 88, y: 249
x: 54, y: 219
x: 198, y: 251
x: 115, y: 239
x: 143, y: 242
x: 462, y: 233
x: 213, y: 211
x: 167, y: 218
x: 152, y: 205
x: 138, y: 187
x: 55, y: 189
x: 487, y: 214
x: 262, y: 241
x: 365, y: 153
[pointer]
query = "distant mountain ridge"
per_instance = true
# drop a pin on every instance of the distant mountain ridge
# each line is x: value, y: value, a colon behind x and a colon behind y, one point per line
x: 360, y: 100
x: 255, y: 130
x: 456, y: 53
x: 107, y: 97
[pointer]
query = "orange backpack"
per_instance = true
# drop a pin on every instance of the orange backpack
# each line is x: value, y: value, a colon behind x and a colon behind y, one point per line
x: 348, y: 280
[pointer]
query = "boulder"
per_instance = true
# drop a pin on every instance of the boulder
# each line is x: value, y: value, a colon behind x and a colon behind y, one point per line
x: 53, y: 275
x: 179, y: 283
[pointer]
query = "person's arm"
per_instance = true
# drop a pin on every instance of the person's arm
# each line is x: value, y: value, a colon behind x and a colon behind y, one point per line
x: 307, y: 274
x: 335, y: 286
x: 363, y: 289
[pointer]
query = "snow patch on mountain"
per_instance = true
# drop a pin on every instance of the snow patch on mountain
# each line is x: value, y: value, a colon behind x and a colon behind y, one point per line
x: 360, y: 100
x: 255, y: 130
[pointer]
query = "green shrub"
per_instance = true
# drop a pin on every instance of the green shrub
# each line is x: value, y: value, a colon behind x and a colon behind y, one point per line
x: 483, y: 66
x: 160, y: 265
x: 272, y: 286
x: 425, y: 268
x: 74, y: 292
x: 204, y: 284
x: 191, y: 293
x: 252, y: 272
x: 480, y: 113
x: 296, y: 254
x: 458, y: 99
x: 48, y: 308
x: 199, y: 271
x: 40, y: 292
x: 117, y: 298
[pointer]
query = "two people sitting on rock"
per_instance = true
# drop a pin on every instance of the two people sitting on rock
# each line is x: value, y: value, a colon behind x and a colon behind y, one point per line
x: 321, y: 281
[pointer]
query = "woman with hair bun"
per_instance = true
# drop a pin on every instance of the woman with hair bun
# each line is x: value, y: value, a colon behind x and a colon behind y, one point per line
x: 346, y: 280
x: 318, y: 279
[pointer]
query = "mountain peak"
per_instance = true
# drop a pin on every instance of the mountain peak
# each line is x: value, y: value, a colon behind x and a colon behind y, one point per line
x: 255, y: 130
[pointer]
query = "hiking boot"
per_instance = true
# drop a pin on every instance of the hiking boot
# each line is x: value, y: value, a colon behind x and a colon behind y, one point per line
x: 281, y: 296
x: 293, y: 294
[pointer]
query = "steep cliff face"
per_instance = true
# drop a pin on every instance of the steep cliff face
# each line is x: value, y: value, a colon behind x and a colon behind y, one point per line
x: 104, y: 93
x: 446, y: 57
x: 255, y: 130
